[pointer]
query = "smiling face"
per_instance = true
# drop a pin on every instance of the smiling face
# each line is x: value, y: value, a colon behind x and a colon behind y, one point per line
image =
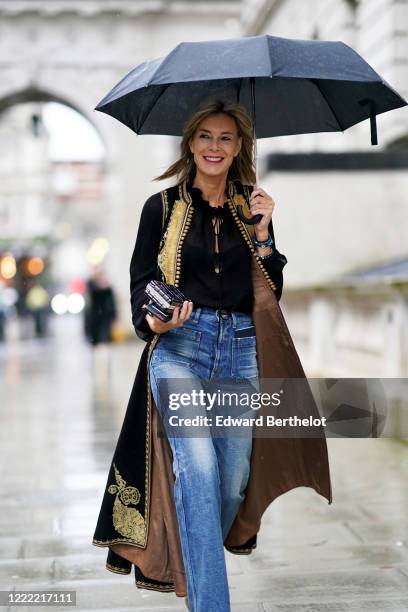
x: 215, y: 144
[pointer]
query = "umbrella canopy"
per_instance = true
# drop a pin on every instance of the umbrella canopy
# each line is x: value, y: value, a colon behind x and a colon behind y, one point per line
x: 289, y: 86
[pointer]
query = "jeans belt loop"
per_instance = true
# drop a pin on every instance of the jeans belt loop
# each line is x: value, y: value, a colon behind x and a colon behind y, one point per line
x: 196, y: 314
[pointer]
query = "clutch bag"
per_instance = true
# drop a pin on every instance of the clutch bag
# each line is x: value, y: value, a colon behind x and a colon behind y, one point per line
x: 162, y: 299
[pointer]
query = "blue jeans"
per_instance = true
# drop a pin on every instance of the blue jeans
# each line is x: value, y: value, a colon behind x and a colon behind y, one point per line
x: 211, y: 472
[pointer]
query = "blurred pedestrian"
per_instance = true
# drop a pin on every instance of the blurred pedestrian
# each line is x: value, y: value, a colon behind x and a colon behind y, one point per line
x: 3, y: 310
x: 100, y: 310
x: 37, y: 301
x: 100, y: 313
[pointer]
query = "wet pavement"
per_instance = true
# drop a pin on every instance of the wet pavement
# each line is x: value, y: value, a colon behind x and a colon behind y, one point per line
x: 61, y: 411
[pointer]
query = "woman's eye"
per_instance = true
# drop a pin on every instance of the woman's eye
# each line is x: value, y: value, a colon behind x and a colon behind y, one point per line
x: 224, y: 138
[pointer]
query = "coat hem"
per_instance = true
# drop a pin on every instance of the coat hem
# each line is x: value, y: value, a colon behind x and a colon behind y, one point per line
x: 243, y: 549
x: 142, y: 584
x: 117, y: 570
x: 240, y: 551
x: 106, y: 543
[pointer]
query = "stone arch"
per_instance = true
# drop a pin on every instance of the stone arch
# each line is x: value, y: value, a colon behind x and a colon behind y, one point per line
x: 98, y: 208
x: 118, y: 219
x: 37, y: 94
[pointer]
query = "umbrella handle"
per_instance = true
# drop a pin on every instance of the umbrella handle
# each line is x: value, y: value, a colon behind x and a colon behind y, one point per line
x: 248, y: 220
x: 373, y: 123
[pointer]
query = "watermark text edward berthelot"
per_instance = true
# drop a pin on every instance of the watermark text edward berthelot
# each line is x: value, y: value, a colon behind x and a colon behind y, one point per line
x: 246, y: 421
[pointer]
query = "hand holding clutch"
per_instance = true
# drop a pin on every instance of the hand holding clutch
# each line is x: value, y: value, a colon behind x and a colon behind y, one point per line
x: 162, y: 299
x: 165, y: 307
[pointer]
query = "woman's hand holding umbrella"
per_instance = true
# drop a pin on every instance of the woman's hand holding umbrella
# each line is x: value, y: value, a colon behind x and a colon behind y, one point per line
x: 262, y: 203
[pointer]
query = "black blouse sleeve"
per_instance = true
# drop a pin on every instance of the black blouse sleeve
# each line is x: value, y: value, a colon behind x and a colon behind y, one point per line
x: 274, y: 265
x: 143, y: 265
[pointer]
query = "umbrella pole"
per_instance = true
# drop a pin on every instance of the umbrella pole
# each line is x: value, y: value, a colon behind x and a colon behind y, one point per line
x: 256, y: 218
x: 253, y: 107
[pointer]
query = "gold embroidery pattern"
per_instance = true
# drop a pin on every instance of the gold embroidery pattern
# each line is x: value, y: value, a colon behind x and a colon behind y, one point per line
x: 154, y: 587
x: 148, y: 445
x: 167, y: 256
x: 165, y: 207
x: 105, y: 543
x: 127, y: 521
x: 142, y: 535
x: 117, y: 570
x: 184, y: 230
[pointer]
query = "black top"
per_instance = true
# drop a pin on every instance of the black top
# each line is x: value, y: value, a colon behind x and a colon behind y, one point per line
x: 229, y: 288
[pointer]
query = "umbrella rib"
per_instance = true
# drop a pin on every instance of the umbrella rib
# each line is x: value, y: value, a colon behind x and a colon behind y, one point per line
x: 328, y: 104
x: 165, y: 60
x: 239, y: 90
x: 165, y: 87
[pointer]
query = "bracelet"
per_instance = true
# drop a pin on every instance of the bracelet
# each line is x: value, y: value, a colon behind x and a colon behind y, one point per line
x: 266, y: 256
x: 263, y: 243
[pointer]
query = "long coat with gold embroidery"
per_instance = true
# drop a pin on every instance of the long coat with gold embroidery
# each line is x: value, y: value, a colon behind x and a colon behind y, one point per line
x: 137, y: 519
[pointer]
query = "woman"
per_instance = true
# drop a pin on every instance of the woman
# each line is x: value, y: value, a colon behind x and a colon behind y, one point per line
x: 217, y: 277
x: 205, y: 492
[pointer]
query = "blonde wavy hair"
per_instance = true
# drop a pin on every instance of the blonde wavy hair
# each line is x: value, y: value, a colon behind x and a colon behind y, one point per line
x: 242, y: 168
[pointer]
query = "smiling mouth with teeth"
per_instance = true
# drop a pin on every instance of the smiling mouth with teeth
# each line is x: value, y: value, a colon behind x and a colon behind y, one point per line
x: 213, y: 159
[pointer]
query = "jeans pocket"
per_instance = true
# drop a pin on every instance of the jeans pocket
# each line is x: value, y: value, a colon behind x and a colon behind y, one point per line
x: 179, y: 344
x: 244, y: 357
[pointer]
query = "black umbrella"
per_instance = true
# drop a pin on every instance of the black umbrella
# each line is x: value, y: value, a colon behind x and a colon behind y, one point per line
x: 289, y: 87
